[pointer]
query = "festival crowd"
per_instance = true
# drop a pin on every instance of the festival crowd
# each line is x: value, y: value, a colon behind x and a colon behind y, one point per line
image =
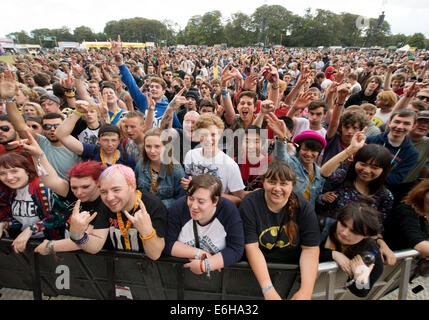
x: 219, y: 155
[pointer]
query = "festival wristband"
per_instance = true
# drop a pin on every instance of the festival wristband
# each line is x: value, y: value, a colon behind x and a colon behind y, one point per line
x: 80, y: 114
x: 149, y: 236
x: 267, y: 288
x: 81, y: 241
x: 77, y: 237
x: 197, y: 256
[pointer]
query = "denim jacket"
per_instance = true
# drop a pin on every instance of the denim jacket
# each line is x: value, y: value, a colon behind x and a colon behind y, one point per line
x: 302, y: 175
x: 169, y: 187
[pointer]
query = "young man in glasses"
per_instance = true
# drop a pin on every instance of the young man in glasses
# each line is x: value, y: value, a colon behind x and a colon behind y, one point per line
x: 59, y: 156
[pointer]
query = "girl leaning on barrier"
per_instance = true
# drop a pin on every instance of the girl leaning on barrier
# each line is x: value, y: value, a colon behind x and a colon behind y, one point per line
x: 365, y: 176
x: 350, y: 245
x: 280, y: 226
x: 35, y: 212
x: 408, y: 224
x: 204, y: 227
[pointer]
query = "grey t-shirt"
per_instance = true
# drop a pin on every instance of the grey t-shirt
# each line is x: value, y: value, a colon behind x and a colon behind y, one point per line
x: 61, y: 158
x: 24, y: 210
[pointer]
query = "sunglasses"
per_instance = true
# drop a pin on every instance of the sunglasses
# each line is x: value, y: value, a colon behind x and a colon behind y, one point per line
x: 423, y: 98
x: 49, y: 126
x: 4, y: 128
x: 34, y: 126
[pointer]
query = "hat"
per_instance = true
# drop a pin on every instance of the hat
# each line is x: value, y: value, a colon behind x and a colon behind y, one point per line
x: 310, y: 134
x: 193, y: 94
x: 108, y: 128
x: 423, y: 115
x: 49, y: 96
x: 199, y: 77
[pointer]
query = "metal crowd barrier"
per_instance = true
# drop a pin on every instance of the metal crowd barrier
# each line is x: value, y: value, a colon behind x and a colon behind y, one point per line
x: 125, y: 275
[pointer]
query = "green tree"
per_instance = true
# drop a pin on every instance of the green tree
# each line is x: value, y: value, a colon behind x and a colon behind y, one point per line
x: 272, y: 23
x: 205, y: 30
x: 83, y: 33
x: 239, y: 30
x: 417, y: 40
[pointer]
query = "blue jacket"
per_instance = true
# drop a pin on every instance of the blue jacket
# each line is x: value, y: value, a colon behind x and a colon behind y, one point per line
x: 406, y: 157
x: 316, y: 186
x: 169, y: 188
x: 141, y: 101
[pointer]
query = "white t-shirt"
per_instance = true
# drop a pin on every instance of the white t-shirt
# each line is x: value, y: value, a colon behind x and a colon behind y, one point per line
x: 89, y: 136
x: 326, y: 83
x: 355, y: 88
x: 24, y: 210
x: 380, y: 118
x: 221, y: 166
x: 303, y: 124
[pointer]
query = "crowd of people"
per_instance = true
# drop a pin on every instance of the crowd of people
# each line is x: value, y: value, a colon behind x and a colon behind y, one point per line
x: 215, y: 155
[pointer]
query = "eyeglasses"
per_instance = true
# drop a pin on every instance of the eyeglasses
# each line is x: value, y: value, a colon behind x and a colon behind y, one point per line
x: 4, y: 128
x: 34, y: 126
x: 423, y: 98
x: 49, y: 126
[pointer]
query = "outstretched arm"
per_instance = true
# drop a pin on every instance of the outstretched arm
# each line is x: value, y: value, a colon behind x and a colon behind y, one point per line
x: 63, y: 132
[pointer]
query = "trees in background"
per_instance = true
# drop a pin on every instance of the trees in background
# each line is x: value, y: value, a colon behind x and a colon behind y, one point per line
x: 269, y: 24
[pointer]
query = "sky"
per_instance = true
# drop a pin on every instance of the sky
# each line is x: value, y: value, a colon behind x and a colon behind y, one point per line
x: 404, y: 16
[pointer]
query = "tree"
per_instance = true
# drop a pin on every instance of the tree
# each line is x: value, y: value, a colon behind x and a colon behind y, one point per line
x: 21, y: 37
x: 239, y: 31
x: 417, y: 40
x: 205, y: 30
x: 272, y: 23
x: 83, y: 33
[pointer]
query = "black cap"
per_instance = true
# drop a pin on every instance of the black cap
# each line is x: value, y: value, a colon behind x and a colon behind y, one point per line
x: 108, y: 128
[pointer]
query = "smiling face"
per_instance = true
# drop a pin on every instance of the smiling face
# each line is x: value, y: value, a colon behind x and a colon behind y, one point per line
x: 246, y: 108
x: 306, y: 155
x: 399, y: 127
x: 116, y: 193
x: 277, y: 192
x: 209, y: 137
x: 201, y: 206
x: 421, y: 128
x: 14, y: 178
x: 156, y: 90
x: 367, y: 171
x: 29, y: 111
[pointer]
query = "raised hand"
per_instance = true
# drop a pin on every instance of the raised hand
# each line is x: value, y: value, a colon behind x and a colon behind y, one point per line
x: 78, y: 71
x: 67, y: 83
x: 179, y: 99
x: 116, y: 46
x: 250, y: 83
x: 8, y: 86
x: 141, y: 220
x: 102, y: 105
x: 82, y: 106
x: 30, y: 144
x: 303, y: 100
x: 227, y: 75
x: 358, y: 140
x: 276, y: 125
x: 80, y: 221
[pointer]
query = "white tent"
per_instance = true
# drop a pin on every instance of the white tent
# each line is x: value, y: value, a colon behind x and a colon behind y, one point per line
x: 404, y: 48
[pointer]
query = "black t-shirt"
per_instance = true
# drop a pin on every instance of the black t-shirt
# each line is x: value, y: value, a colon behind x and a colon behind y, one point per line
x: 263, y: 226
x: 78, y: 128
x: 115, y: 241
x: 360, y: 98
x: 91, y: 206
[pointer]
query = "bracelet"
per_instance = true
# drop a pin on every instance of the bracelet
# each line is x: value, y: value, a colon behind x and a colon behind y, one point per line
x: 76, y: 237
x: 34, y: 229
x: 50, y: 248
x: 207, y: 267
x: 149, y: 236
x: 81, y: 241
x: 80, y: 114
x: 275, y: 87
x: 267, y: 288
x: 197, y: 256
x: 201, y: 266
x: 348, y: 152
x: 282, y: 140
x: 225, y: 93
x: 70, y: 95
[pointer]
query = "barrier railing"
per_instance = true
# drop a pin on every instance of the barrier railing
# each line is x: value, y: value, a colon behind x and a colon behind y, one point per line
x: 126, y: 275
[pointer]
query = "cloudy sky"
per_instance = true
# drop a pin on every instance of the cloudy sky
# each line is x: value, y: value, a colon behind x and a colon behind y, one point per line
x: 404, y: 16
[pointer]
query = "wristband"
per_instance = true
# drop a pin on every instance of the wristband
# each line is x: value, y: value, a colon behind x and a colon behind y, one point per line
x: 80, y: 114
x: 197, y: 256
x: 34, y: 229
x: 70, y: 94
x: 81, y: 241
x: 207, y: 267
x: 201, y: 266
x: 76, y: 237
x: 275, y: 87
x: 50, y: 248
x: 149, y: 236
x: 267, y: 288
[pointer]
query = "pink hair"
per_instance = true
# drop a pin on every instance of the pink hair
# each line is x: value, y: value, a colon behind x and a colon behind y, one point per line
x: 127, y: 172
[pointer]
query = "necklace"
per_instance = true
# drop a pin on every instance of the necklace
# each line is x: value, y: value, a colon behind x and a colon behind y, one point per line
x: 115, y: 157
x: 124, y: 229
x: 154, y: 185
x: 114, y: 114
